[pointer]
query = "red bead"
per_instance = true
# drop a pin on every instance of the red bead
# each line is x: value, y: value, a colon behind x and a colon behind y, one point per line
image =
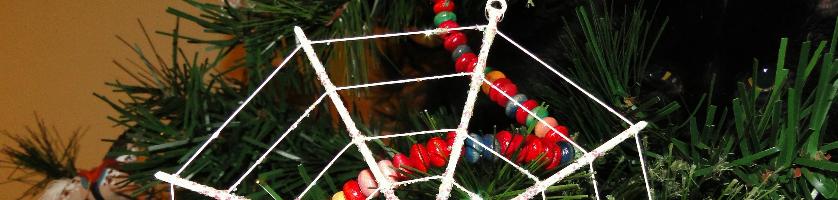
x: 554, y: 137
x: 530, y: 138
x: 400, y: 161
x: 441, y: 6
x: 470, y: 66
x: 449, y: 138
x: 510, y: 89
x: 448, y: 24
x: 553, y: 156
x: 548, y: 156
x: 493, y: 93
x: 352, y: 191
x: 504, y: 139
x: 521, y: 115
x: 522, y: 154
x: 438, y: 151
x: 464, y: 61
x: 534, y: 148
x: 419, y: 157
x: 454, y: 39
x: 505, y: 85
x: 514, y: 145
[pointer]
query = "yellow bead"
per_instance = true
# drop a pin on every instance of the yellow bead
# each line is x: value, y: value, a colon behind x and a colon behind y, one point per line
x: 338, y: 196
x: 491, y: 77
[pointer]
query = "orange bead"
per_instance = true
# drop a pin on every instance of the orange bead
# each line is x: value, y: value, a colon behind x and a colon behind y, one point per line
x: 541, y: 129
x: 491, y: 77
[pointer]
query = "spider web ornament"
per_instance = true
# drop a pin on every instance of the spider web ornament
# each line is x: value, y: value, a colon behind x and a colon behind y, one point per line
x: 494, y: 11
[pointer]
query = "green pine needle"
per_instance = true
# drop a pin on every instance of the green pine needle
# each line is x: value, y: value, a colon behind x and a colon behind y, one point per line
x: 40, y: 157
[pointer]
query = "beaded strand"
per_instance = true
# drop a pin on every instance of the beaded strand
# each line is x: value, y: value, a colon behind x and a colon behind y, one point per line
x: 544, y: 143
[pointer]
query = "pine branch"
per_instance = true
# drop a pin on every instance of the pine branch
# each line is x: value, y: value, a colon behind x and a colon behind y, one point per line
x: 40, y: 157
x: 608, y: 50
x: 767, y: 146
x: 177, y: 102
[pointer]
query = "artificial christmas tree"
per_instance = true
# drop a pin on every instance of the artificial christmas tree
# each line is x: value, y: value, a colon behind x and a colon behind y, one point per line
x: 765, y: 137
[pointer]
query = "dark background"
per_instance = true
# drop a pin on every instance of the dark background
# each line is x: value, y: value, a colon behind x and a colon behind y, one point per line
x: 703, y: 39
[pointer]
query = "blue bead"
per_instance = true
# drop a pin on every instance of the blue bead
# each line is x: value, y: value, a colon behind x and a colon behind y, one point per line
x: 568, y: 152
x: 473, y: 150
x: 460, y: 50
x: 511, y: 107
x: 489, y: 141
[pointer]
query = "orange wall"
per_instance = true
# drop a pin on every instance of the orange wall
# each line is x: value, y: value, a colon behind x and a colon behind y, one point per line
x: 55, y: 54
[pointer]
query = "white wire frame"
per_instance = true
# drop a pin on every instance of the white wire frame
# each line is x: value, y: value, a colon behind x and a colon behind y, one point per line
x: 495, y: 15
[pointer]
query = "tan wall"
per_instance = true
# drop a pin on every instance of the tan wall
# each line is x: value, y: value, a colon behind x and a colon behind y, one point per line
x: 55, y: 54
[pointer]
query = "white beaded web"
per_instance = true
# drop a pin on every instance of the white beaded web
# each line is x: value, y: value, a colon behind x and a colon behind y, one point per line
x: 494, y: 14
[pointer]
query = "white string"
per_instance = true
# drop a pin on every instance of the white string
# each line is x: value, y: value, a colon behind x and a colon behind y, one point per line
x: 357, y: 138
x: 404, y: 81
x: 324, y: 171
x: 236, y: 112
x: 471, y: 195
x: 418, y: 180
x: 408, y: 182
x: 426, y: 32
x: 172, y: 191
x: 643, y: 167
x: 374, y: 192
x: 586, y: 159
x: 196, y: 187
x: 593, y: 180
x: 567, y: 79
x: 281, y: 137
x: 468, y: 108
x: 474, y: 87
x: 409, y: 134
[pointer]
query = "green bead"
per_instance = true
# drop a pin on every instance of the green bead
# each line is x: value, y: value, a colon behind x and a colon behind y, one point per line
x: 444, y: 16
x: 487, y: 70
x: 539, y: 111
